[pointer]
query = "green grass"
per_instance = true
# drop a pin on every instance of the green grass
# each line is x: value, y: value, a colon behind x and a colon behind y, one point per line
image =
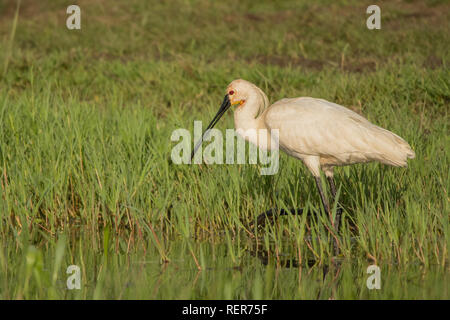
x: 86, y: 118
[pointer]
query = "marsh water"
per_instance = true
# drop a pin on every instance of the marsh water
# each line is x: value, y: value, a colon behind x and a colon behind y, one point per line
x: 202, y: 270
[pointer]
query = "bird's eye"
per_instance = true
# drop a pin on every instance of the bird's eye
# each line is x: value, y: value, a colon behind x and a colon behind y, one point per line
x: 231, y: 92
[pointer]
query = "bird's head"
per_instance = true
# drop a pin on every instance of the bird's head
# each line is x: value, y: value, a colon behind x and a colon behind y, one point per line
x: 238, y: 92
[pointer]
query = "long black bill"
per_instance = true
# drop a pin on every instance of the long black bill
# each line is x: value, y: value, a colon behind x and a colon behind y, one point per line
x: 226, y: 104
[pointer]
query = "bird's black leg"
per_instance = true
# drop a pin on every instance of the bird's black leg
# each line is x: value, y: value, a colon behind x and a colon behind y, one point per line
x: 332, y: 186
x: 326, y: 206
x: 337, y: 220
x: 327, y: 209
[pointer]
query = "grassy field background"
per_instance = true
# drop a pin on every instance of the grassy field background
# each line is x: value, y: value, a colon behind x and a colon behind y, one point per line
x: 86, y: 178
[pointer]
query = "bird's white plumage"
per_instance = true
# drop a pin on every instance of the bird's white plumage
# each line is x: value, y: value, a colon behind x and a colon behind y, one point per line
x: 320, y: 133
x: 315, y: 127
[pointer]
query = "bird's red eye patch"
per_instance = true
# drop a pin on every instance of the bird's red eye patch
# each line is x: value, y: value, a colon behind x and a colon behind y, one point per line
x: 231, y: 92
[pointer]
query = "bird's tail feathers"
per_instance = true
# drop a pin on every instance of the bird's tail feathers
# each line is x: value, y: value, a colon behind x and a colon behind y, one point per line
x: 394, y: 150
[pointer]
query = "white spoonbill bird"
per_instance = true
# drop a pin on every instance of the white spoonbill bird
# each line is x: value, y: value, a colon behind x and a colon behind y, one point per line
x: 320, y: 133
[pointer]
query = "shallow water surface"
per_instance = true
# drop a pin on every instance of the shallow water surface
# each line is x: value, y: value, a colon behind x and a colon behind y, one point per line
x: 205, y: 271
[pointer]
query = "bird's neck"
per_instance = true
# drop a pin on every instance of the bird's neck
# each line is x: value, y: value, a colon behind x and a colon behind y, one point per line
x: 246, y: 118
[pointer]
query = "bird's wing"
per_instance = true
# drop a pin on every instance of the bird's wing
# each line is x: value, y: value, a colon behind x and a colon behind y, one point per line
x: 317, y: 127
